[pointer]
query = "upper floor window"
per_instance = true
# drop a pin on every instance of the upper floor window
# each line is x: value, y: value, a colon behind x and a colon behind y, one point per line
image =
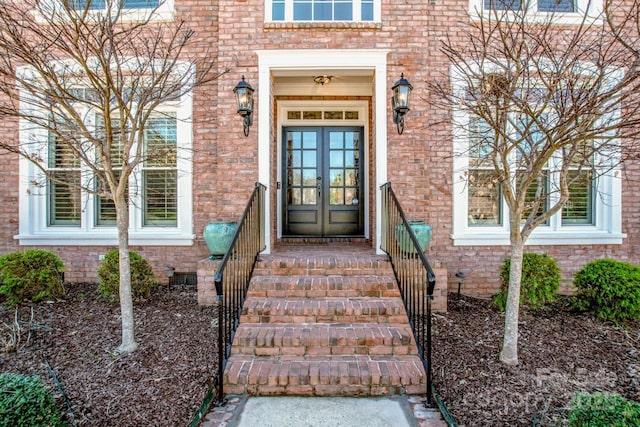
x: 126, y: 4
x: 125, y: 10
x: 323, y: 10
x: 561, y: 11
x: 539, y: 5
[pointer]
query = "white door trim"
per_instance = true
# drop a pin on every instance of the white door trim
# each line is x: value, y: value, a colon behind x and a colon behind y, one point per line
x: 301, y: 59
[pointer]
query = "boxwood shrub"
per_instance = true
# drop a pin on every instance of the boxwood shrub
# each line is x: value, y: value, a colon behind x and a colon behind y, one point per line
x: 26, y: 401
x: 142, y: 278
x: 601, y: 409
x: 610, y: 289
x: 539, y: 284
x: 31, y: 275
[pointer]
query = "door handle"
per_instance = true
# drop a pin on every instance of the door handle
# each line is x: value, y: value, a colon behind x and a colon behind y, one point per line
x: 319, y: 186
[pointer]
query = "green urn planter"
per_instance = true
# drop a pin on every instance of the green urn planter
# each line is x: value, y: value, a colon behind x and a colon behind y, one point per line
x: 420, y: 229
x: 218, y: 235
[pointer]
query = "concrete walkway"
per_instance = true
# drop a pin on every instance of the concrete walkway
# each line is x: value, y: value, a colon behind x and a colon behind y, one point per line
x: 297, y: 411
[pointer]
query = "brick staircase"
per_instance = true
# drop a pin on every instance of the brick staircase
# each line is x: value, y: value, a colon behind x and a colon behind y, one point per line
x: 324, y: 320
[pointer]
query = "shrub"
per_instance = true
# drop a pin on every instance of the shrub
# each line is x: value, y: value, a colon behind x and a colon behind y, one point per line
x: 601, y: 409
x: 26, y: 401
x: 142, y: 279
x: 539, y: 284
x: 30, y: 275
x: 609, y: 288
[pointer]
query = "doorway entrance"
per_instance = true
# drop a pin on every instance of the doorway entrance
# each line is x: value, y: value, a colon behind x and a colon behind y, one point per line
x: 323, y: 181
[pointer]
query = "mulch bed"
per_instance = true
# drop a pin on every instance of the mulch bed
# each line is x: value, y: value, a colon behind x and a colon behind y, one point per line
x: 560, y: 352
x: 163, y: 383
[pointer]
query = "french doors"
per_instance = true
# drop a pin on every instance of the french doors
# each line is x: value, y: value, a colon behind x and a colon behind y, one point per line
x: 323, y: 181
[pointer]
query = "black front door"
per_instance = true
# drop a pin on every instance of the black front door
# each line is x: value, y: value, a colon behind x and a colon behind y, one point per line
x: 323, y: 177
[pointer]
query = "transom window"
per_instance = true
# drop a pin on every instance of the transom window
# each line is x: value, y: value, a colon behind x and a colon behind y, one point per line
x: 323, y: 10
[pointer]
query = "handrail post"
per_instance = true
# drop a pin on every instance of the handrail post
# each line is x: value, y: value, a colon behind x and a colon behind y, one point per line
x: 220, y: 401
x: 429, y: 372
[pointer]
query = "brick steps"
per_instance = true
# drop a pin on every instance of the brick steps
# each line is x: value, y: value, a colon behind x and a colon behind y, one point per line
x: 309, y: 264
x: 323, y: 310
x: 323, y: 286
x: 260, y: 339
x: 325, y: 375
x: 324, y: 321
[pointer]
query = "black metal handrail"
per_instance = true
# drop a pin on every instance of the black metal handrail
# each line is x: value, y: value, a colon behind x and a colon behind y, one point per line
x: 233, y: 276
x: 413, y: 273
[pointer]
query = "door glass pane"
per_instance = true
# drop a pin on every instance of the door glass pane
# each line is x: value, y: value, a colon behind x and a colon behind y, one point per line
x: 309, y: 176
x: 336, y: 140
x: 336, y: 196
x: 351, y: 177
x: 336, y: 159
x: 294, y: 196
x: 295, y: 177
x: 351, y: 139
x: 337, y: 177
x: 293, y: 140
x: 309, y: 159
x: 309, y: 196
x: 349, y: 159
x: 309, y: 140
x: 295, y: 159
x: 350, y: 196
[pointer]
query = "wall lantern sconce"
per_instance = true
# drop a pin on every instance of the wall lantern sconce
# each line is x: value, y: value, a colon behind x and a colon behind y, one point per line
x: 400, y: 101
x: 244, y: 99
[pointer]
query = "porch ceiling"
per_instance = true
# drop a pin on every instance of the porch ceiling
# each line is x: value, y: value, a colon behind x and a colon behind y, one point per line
x: 300, y: 82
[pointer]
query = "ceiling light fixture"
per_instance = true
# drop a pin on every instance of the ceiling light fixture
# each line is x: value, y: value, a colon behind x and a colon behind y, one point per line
x: 322, y: 79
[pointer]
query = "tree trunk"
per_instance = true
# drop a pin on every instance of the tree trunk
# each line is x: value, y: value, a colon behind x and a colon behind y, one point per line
x: 509, y: 353
x: 129, y: 343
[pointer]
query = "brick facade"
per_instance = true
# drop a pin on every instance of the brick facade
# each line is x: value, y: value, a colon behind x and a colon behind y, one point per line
x: 419, y: 163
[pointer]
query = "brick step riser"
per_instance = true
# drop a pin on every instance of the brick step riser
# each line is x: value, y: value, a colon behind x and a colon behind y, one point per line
x: 322, y: 318
x: 325, y: 350
x: 364, y: 377
x: 323, y: 287
x: 321, y: 271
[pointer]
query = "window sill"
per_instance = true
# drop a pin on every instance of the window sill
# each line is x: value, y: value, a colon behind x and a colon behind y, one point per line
x: 157, y: 238
x: 541, y: 238
x: 306, y: 25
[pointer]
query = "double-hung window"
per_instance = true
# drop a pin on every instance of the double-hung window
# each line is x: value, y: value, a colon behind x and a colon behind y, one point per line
x: 159, y: 191
x: 591, y: 215
x: 322, y: 10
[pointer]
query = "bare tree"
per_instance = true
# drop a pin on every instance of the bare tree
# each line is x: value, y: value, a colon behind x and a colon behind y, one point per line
x: 542, y: 108
x: 85, y: 79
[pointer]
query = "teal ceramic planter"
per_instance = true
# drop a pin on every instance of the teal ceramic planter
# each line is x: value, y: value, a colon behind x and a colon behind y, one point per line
x: 420, y: 229
x: 218, y: 235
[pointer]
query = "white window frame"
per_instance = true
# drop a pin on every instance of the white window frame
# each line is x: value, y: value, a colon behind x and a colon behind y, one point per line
x: 288, y: 12
x: 591, y: 8
x: 164, y: 12
x: 33, y: 198
x: 607, y: 227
